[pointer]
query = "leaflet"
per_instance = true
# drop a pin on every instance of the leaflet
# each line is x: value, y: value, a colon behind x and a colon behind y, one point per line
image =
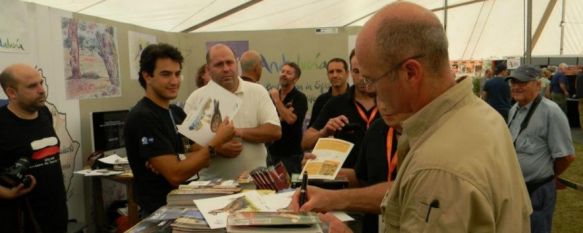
x: 330, y: 155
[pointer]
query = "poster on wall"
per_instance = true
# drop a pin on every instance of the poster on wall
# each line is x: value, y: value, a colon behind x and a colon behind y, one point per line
x: 91, y: 60
x: 13, y: 27
x: 513, y: 63
x: 471, y: 68
x: 137, y: 42
x: 69, y: 146
x: 238, y: 46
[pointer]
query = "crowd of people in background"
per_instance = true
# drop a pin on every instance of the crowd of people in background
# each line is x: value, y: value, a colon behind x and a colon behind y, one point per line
x: 420, y: 162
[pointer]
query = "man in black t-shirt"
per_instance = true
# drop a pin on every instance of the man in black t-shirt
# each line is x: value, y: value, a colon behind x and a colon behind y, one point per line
x: 346, y: 116
x: 28, y: 133
x: 152, y: 141
x: 337, y: 72
x: 292, y: 111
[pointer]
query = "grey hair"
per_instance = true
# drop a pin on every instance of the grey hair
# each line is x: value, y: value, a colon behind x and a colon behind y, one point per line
x: 398, y: 39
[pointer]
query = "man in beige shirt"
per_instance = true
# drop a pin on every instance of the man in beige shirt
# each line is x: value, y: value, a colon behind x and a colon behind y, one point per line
x: 454, y: 175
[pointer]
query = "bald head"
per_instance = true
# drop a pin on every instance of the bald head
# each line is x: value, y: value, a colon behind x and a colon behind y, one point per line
x: 217, y: 47
x: 23, y: 85
x: 402, y: 30
x: 251, y: 65
x: 403, y: 50
x: 12, y: 74
x: 222, y: 66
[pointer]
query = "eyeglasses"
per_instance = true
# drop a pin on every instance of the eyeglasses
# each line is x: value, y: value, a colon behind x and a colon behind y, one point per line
x: 371, y: 81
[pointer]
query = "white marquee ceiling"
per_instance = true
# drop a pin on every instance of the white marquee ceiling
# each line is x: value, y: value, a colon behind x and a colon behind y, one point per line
x: 476, y: 28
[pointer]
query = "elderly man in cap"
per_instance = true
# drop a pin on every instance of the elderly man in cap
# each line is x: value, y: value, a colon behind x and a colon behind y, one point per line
x: 543, y: 143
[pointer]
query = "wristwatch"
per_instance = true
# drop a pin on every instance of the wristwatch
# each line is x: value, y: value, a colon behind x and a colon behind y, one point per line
x: 212, y: 151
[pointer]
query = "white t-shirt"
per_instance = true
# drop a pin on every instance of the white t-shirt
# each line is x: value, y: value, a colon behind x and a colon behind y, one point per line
x: 256, y: 109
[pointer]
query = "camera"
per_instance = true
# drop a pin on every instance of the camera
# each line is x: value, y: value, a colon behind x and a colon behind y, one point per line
x: 15, y: 175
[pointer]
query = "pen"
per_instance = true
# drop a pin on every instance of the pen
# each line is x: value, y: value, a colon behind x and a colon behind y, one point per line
x: 433, y: 204
x: 303, y: 190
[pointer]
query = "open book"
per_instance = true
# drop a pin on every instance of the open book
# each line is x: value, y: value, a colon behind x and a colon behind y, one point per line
x: 330, y: 155
x: 213, y: 104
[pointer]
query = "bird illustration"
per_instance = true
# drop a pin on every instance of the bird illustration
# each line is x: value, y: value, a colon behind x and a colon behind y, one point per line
x: 237, y: 204
x: 216, y: 118
x: 197, y: 123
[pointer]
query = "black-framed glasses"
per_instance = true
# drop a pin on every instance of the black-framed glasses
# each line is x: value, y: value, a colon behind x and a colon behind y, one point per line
x: 369, y: 82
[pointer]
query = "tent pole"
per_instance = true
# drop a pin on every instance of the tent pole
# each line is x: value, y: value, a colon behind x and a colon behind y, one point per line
x: 527, y: 55
x: 445, y: 15
x: 222, y: 15
x: 562, y: 28
x: 543, y: 21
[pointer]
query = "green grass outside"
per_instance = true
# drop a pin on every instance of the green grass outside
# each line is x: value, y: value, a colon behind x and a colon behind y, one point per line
x: 569, y: 210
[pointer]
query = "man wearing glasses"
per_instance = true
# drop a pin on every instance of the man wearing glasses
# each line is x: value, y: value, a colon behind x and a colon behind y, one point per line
x: 543, y: 142
x: 454, y: 175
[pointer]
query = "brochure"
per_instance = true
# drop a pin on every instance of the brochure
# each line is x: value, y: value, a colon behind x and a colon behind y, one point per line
x: 330, y: 155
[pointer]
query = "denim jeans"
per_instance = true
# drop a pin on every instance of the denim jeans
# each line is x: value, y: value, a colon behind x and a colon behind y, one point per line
x: 543, y: 206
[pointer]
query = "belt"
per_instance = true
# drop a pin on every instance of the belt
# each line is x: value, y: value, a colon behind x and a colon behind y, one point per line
x: 532, y: 186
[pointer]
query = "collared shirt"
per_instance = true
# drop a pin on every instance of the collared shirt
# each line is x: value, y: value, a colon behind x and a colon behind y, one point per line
x: 546, y: 138
x: 457, y: 176
x: 256, y: 109
x: 291, y: 135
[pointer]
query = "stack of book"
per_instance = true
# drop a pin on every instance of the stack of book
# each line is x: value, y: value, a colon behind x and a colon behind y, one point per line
x: 163, y: 219
x: 273, y: 177
x: 185, y: 194
x: 289, y: 222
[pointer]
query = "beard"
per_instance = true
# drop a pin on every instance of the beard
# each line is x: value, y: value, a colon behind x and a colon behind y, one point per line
x: 34, y: 106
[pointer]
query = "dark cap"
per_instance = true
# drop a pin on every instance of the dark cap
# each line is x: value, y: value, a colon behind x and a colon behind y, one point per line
x: 525, y: 73
x: 500, y: 67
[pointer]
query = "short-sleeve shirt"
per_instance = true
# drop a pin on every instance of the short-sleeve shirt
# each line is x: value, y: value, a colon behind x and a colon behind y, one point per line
x: 291, y: 135
x: 319, y: 104
x: 558, y: 79
x: 36, y: 140
x: 546, y: 138
x: 498, y: 95
x: 457, y: 176
x: 256, y: 109
x: 347, y: 106
x: 150, y: 131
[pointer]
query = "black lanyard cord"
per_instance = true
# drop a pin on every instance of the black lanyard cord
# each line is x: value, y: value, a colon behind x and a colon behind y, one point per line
x: 526, y: 120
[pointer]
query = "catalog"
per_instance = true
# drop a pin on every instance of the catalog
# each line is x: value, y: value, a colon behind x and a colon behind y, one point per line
x: 213, y: 105
x: 330, y: 155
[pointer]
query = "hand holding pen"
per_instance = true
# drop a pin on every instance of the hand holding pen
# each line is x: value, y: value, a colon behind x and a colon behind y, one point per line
x: 303, y: 189
x: 315, y: 199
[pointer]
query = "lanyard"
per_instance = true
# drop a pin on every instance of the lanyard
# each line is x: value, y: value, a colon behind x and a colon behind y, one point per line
x: 526, y: 119
x: 391, y: 160
x: 362, y: 114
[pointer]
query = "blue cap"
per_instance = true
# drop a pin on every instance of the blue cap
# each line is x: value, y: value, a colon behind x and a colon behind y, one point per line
x: 525, y: 73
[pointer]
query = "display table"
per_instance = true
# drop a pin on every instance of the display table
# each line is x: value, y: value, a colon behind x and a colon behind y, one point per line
x: 124, y: 178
